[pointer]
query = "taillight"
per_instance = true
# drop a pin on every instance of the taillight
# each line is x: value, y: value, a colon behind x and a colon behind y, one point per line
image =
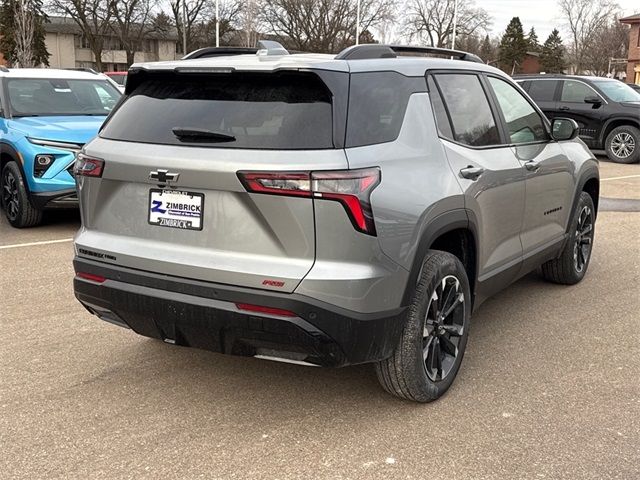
x: 86, y: 166
x: 352, y: 188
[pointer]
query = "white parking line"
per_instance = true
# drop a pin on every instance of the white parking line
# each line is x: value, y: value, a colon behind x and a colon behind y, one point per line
x: 618, y: 178
x: 32, y: 244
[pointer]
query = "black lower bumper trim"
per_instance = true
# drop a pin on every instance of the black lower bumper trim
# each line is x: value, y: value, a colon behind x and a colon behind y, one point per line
x: 59, y: 199
x: 202, y: 315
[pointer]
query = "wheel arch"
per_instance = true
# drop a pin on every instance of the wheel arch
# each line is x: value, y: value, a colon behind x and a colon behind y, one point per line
x: 614, y: 123
x: 454, y: 232
x: 10, y: 154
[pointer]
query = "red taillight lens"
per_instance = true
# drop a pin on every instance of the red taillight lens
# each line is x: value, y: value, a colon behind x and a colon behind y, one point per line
x: 92, y: 277
x: 268, y: 310
x: 296, y: 184
x: 352, y: 188
x: 86, y: 166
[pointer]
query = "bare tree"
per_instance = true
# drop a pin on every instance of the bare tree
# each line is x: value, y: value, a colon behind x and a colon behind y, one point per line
x: 24, y: 17
x: 322, y: 25
x: 431, y: 21
x: 584, y: 17
x: 192, y: 12
x: 93, y: 17
x: 230, y: 14
x: 132, y: 22
x: 608, y: 41
x: 249, y: 22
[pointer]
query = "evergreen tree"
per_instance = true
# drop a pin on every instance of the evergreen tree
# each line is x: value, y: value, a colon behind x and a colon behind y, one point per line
x: 532, y: 41
x: 8, y: 29
x: 513, y: 47
x: 487, y: 50
x: 552, y: 56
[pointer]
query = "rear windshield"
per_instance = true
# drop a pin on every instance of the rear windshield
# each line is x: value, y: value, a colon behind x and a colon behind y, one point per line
x: 286, y: 110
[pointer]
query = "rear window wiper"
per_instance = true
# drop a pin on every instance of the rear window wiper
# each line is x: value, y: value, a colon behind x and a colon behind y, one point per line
x: 200, y: 134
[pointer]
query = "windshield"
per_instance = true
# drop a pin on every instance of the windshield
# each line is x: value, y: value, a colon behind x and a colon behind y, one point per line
x: 52, y: 97
x: 618, y: 91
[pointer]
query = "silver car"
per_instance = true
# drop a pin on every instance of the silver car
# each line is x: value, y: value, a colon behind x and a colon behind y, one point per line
x: 327, y: 210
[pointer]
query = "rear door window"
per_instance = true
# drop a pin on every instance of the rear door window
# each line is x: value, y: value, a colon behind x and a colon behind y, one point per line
x: 286, y: 110
x: 468, y: 108
x: 542, y: 90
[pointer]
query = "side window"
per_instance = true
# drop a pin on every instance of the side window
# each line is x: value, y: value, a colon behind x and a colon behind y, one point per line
x: 471, y: 118
x: 542, y: 90
x: 575, y: 92
x: 377, y: 104
x: 524, y: 124
x: 439, y: 110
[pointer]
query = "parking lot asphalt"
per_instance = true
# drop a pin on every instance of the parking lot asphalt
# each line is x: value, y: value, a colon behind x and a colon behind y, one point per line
x: 549, y: 387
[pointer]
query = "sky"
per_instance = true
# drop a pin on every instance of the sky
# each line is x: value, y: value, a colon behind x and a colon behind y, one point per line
x: 541, y: 14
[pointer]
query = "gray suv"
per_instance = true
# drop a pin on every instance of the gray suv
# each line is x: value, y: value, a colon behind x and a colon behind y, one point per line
x: 327, y: 210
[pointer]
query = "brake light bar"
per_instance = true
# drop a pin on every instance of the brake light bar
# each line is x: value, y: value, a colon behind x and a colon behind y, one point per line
x: 91, y: 277
x: 268, y: 310
x: 352, y: 188
x: 86, y: 166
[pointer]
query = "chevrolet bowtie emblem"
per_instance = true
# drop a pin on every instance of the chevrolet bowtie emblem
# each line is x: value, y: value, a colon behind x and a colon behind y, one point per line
x: 163, y: 176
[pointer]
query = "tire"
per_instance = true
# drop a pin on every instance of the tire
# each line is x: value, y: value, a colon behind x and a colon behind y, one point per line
x: 623, y: 144
x: 407, y: 373
x: 571, y: 266
x: 15, y: 199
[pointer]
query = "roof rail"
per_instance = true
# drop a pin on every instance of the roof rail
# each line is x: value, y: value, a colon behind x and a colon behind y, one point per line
x: 459, y: 54
x: 207, y: 52
x: 369, y: 51
x: 82, y: 69
x: 365, y: 51
x: 269, y: 47
x: 3, y: 69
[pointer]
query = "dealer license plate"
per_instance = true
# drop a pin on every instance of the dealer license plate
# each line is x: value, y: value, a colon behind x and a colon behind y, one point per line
x: 176, y: 209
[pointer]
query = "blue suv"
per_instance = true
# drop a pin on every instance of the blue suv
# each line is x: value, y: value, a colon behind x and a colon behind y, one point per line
x: 46, y: 116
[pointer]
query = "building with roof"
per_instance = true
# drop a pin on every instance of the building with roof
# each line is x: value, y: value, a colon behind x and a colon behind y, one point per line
x: 68, y: 48
x: 633, y: 59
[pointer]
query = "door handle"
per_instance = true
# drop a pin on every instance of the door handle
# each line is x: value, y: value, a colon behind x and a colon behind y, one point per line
x: 532, y: 166
x: 471, y: 173
x: 563, y: 108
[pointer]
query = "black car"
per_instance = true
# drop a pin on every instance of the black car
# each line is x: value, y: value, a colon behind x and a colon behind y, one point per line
x: 635, y: 87
x: 607, y: 110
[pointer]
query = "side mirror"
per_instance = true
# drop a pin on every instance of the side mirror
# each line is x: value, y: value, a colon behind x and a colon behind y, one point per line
x: 593, y: 100
x: 564, y: 129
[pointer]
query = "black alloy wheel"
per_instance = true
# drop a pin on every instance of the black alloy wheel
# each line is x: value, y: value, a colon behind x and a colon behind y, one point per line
x: 583, y: 238
x: 443, y: 328
x: 10, y: 197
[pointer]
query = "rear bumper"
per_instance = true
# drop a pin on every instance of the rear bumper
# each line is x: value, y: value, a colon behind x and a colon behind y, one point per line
x: 204, y: 315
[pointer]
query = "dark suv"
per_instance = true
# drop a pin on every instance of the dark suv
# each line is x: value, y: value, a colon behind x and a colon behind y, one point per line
x: 607, y: 110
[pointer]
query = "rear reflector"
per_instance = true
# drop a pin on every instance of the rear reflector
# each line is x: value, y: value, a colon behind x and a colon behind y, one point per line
x: 352, y: 188
x: 86, y: 166
x: 268, y: 310
x: 91, y: 277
